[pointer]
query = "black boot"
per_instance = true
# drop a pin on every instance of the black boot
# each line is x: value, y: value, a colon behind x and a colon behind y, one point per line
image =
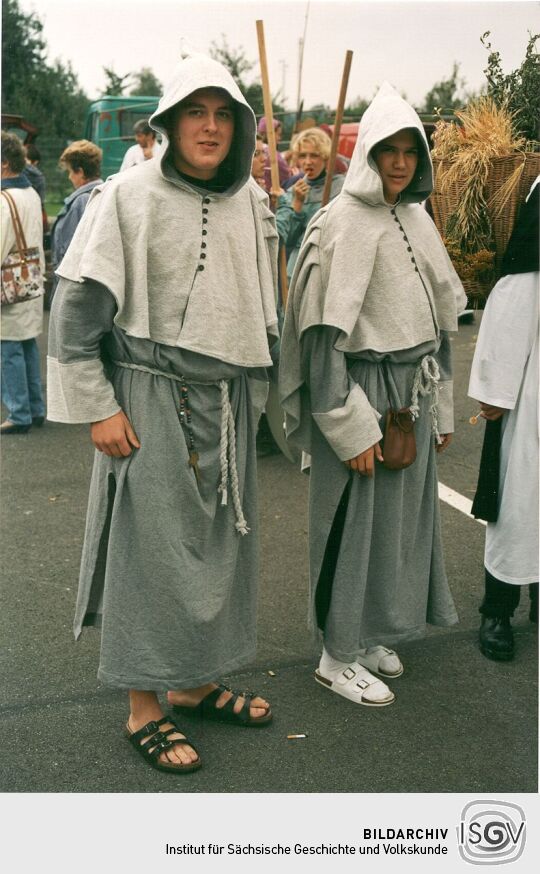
x: 496, y: 639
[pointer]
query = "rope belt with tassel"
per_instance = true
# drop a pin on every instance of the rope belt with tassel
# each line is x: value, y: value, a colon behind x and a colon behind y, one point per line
x: 227, y: 448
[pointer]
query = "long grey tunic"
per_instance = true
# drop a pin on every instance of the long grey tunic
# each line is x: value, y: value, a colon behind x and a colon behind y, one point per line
x: 164, y: 571
x: 383, y: 577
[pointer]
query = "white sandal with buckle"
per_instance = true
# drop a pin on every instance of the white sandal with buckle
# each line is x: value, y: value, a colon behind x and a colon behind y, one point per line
x: 381, y: 660
x: 356, y: 684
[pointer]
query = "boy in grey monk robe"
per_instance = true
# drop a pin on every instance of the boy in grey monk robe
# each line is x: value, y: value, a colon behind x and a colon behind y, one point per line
x: 373, y: 298
x: 160, y: 338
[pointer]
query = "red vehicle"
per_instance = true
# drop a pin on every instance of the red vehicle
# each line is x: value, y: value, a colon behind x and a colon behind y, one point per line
x: 349, y: 134
x: 16, y: 124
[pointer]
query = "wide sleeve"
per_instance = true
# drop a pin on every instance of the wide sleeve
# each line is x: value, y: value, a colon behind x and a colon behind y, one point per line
x: 77, y: 387
x: 339, y: 406
x: 446, y: 385
x: 267, y: 257
x: 505, y: 341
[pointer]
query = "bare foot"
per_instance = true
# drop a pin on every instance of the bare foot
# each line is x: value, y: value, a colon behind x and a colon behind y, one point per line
x: 191, y: 697
x: 145, y: 708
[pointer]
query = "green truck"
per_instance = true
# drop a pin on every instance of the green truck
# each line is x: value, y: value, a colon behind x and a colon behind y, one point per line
x: 109, y: 124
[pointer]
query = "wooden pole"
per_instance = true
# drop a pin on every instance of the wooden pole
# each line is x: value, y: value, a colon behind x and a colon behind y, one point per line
x: 337, y: 128
x: 283, y: 281
x: 268, y: 112
x: 271, y: 137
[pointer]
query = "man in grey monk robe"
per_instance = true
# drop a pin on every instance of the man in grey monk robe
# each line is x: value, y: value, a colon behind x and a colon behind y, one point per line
x: 372, y: 300
x: 159, y: 338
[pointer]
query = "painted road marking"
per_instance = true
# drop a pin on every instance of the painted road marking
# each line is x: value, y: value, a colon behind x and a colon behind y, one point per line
x: 459, y: 502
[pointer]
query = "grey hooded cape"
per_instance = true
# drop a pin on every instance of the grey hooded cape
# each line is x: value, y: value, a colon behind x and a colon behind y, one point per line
x: 164, y: 309
x: 372, y: 283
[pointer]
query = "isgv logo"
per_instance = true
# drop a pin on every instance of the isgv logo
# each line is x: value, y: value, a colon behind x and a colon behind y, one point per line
x: 491, y: 832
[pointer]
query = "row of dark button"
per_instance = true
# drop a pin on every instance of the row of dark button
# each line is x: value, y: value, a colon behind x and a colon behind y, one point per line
x: 202, y: 256
x: 393, y: 211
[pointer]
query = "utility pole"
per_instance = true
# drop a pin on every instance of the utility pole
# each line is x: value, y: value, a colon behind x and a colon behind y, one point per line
x: 301, y: 44
x: 284, y: 66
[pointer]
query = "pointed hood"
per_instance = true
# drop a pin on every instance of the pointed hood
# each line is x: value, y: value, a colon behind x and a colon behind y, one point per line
x: 387, y: 114
x: 199, y: 71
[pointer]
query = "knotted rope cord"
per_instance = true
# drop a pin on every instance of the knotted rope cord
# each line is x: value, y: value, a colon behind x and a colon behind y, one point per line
x: 426, y: 381
x: 228, y: 467
x: 227, y: 447
x: 224, y: 442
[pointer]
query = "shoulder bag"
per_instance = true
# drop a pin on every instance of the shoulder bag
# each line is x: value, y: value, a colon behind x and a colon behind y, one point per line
x: 21, y: 276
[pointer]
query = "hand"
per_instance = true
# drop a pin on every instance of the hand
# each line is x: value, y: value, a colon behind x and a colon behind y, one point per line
x: 446, y: 439
x: 274, y: 196
x: 492, y: 413
x: 114, y: 436
x: 364, y: 463
x: 300, y: 192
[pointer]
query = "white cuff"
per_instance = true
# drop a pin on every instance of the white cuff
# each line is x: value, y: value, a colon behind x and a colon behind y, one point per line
x: 79, y: 392
x: 350, y: 429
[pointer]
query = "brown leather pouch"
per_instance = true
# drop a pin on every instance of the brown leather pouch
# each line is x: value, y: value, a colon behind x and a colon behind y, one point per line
x: 399, y: 442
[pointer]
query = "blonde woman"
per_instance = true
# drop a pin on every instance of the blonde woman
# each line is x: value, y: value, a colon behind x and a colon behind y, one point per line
x: 310, y: 152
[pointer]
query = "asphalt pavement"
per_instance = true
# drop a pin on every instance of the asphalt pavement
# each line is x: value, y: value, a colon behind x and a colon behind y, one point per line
x: 460, y: 723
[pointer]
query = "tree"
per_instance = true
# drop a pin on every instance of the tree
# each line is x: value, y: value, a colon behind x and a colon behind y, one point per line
x: 233, y: 59
x: 115, y: 85
x: 517, y: 90
x: 146, y: 84
x: 24, y: 46
x: 357, y: 107
x: 46, y: 94
x: 445, y: 95
x: 238, y: 65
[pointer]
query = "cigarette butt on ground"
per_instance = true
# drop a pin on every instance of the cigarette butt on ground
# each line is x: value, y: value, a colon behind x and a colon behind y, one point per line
x: 295, y: 736
x: 271, y: 674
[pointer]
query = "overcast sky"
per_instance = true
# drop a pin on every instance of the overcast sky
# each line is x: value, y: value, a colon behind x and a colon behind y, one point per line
x: 411, y: 44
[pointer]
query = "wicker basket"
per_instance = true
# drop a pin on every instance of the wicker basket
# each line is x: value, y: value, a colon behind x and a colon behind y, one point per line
x: 443, y: 205
x: 477, y: 292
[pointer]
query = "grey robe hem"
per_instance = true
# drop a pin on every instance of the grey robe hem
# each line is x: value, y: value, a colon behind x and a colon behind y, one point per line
x: 164, y: 684
x: 165, y: 574
x: 389, y: 639
x: 388, y: 581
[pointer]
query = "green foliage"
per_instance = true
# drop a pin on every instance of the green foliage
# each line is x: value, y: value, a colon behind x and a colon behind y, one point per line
x: 233, y: 59
x: 25, y: 47
x: 115, y: 85
x: 146, y: 84
x: 47, y: 94
x: 238, y: 65
x: 446, y: 94
x: 356, y: 108
x: 519, y: 90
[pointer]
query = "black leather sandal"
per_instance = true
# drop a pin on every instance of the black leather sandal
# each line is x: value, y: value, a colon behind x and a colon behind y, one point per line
x: 159, y: 741
x: 207, y: 708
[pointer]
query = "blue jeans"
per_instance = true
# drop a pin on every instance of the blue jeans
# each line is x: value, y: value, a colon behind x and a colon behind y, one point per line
x: 21, y: 381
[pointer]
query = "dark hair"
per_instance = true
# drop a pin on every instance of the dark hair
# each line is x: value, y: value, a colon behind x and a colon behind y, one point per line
x: 32, y: 152
x: 83, y: 155
x: 142, y: 127
x: 13, y: 152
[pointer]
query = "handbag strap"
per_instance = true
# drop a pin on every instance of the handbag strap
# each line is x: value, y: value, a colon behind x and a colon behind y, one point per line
x: 386, y: 380
x: 20, y: 239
